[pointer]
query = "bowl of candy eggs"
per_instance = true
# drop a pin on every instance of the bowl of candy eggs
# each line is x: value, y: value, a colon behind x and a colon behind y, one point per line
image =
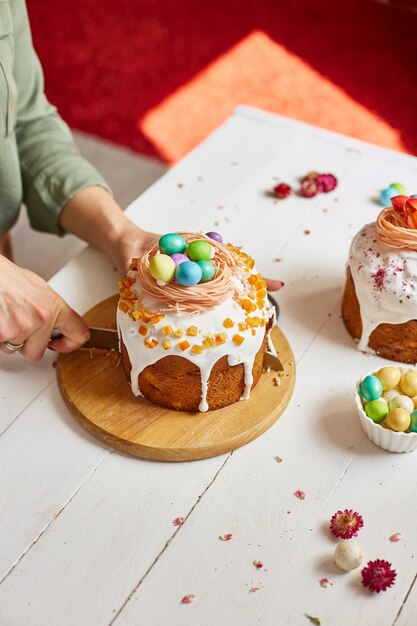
x: 386, y: 400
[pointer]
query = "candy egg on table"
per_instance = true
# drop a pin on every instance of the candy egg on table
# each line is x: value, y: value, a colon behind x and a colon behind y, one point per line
x: 208, y: 271
x: 386, y: 195
x: 162, y: 268
x: 179, y: 258
x: 188, y: 273
x: 408, y: 383
x: 389, y: 377
x: 215, y: 236
x: 398, y: 420
x: 172, y: 243
x: 371, y: 388
x: 348, y: 555
x: 401, y: 402
x: 377, y: 410
x: 413, y: 422
x: 391, y: 394
x: 400, y: 188
x: 200, y: 250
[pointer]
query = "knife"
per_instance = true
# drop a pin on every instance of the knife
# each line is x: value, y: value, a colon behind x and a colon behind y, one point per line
x: 107, y: 339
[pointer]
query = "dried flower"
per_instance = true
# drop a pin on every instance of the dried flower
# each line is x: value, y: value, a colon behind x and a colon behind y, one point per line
x: 300, y: 494
x: 178, y: 521
x: 309, y: 188
x: 378, y: 575
x: 324, y: 582
x: 346, y: 524
x: 278, y: 459
x: 226, y: 537
x: 258, y: 564
x: 187, y: 599
x: 313, y: 620
x: 395, y: 537
x: 282, y: 190
x: 326, y: 182
x: 254, y: 589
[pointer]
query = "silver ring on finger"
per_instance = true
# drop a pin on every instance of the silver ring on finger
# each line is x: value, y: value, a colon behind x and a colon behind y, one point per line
x: 13, y: 347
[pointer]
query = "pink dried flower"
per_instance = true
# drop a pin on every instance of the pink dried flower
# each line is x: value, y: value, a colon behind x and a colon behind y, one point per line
x: 378, y: 575
x: 254, y: 589
x: 226, y: 537
x: 326, y: 182
x: 395, y: 537
x: 178, y: 521
x: 309, y: 188
x: 324, y: 582
x: 346, y: 524
x: 258, y: 564
x: 300, y: 494
x: 187, y: 599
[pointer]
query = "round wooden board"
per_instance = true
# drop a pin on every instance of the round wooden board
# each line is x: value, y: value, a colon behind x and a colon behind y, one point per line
x: 95, y: 389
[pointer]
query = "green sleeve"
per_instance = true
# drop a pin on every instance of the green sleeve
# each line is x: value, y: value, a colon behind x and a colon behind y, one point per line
x: 53, y: 170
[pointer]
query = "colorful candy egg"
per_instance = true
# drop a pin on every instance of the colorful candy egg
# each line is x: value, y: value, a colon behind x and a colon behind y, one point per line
x: 400, y: 188
x: 208, y: 271
x: 162, y: 267
x: 386, y: 195
x: 389, y: 377
x: 216, y: 236
x: 377, y: 410
x: 401, y: 402
x: 179, y: 258
x: 172, y: 243
x: 371, y: 388
x: 348, y: 555
x: 391, y: 394
x: 408, y: 383
x: 398, y: 420
x: 188, y: 273
x: 200, y: 250
x: 413, y: 422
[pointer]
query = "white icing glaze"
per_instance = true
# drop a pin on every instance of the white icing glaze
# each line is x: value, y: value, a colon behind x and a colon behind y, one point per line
x: 385, y: 283
x: 207, y: 322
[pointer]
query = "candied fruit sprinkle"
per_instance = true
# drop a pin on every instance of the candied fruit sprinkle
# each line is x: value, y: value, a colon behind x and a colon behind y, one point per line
x: 197, y: 349
x: 226, y: 537
x: 179, y: 333
x: 166, y: 344
x: 183, y: 345
x: 346, y: 524
x: 155, y: 319
x: 228, y: 323
x: 150, y: 342
x: 167, y: 330
x: 187, y: 599
x: 378, y: 575
x: 221, y: 338
x: 242, y: 326
x: 300, y: 494
x: 209, y: 342
x: 143, y: 330
x: 192, y: 331
x: 238, y: 339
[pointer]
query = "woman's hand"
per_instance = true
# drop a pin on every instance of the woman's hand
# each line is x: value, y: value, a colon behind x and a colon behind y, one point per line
x: 30, y: 310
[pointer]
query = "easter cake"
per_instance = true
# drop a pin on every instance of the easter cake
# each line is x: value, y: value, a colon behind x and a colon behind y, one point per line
x: 380, y: 297
x: 194, y: 322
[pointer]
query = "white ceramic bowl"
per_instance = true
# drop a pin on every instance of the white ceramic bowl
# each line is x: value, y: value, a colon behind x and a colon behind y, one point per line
x: 380, y: 436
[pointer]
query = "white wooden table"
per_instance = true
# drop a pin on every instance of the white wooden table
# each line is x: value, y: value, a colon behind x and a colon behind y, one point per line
x: 86, y: 532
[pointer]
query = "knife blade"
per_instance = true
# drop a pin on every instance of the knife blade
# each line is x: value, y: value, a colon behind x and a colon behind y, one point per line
x: 108, y: 339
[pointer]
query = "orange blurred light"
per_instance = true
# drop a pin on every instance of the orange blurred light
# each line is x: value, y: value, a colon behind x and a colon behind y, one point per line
x: 260, y: 72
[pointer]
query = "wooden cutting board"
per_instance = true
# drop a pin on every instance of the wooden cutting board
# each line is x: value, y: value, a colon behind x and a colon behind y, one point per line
x: 96, y: 391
